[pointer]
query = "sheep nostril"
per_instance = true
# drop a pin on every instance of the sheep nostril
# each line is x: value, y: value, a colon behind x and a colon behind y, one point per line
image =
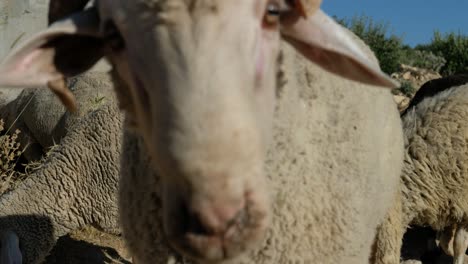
x: 216, y: 230
x: 192, y: 224
x: 213, y: 223
x: 196, y: 227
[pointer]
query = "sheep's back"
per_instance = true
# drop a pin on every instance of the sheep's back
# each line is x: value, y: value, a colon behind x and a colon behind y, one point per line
x: 436, y: 165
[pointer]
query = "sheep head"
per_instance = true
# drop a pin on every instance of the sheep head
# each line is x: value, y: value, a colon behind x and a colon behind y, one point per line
x: 196, y: 79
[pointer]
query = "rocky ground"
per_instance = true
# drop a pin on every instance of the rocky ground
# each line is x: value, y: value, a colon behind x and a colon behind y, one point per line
x: 412, y: 78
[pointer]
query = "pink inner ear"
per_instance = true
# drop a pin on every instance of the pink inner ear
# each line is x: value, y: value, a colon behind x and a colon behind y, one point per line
x: 27, y: 61
x: 342, y: 65
x: 32, y: 64
x: 32, y: 68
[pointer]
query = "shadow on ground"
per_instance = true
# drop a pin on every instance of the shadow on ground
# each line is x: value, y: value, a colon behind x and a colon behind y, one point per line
x: 71, y: 251
x: 89, y: 246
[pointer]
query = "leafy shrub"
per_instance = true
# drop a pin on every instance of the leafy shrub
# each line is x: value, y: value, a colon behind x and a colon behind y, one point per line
x: 422, y: 59
x: 453, y: 47
x: 387, y: 49
x: 446, y: 54
x: 407, y: 89
x: 10, y: 152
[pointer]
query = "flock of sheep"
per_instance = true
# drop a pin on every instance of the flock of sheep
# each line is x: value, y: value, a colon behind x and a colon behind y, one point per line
x: 232, y: 147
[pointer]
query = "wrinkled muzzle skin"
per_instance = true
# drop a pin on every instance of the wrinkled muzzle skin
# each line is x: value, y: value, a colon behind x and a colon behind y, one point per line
x: 197, y: 83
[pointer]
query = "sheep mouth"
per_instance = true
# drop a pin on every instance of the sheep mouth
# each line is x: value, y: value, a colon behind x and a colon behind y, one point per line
x: 242, y: 233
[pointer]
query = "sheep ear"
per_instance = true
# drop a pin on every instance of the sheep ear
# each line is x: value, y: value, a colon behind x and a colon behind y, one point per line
x: 323, y: 41
x: 67, y: 48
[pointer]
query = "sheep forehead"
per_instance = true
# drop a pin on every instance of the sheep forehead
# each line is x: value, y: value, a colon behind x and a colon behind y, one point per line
x: 188, y: 3
x: 167, y: 4
x: 190, y: 6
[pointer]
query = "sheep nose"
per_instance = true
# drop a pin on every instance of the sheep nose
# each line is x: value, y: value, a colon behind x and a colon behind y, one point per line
x: 214, y: 232
x: 216, y: 229
x: 213, y: 220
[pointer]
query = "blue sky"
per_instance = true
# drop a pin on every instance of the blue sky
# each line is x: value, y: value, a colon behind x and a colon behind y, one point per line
x: 415, y: 20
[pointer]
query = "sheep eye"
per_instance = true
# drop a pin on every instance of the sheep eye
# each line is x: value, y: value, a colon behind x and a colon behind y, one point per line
x: 272, y: 14
x: 112, y: 36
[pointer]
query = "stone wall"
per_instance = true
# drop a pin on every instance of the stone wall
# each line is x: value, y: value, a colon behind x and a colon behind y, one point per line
x: 20, y: 19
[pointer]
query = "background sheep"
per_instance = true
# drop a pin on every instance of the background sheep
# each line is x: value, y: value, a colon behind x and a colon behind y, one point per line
x: 206, y: 128
x: 433, y: 87
x: 42, y: 118
x: 435, y: 172
x: 77, y: 183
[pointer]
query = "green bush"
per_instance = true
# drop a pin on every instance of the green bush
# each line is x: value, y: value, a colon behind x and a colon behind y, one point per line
x: 422, y: 59
x: 387, y: 49
x: 407, y: 89
x: 446, y: 54
x: 453, y: 47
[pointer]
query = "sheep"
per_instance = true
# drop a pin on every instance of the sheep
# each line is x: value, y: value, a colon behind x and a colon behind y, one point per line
x: 434, y: 178
x: 76, y: 184
x: 44, y: 121
x: 432, y: 87
x: 212, y: 150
